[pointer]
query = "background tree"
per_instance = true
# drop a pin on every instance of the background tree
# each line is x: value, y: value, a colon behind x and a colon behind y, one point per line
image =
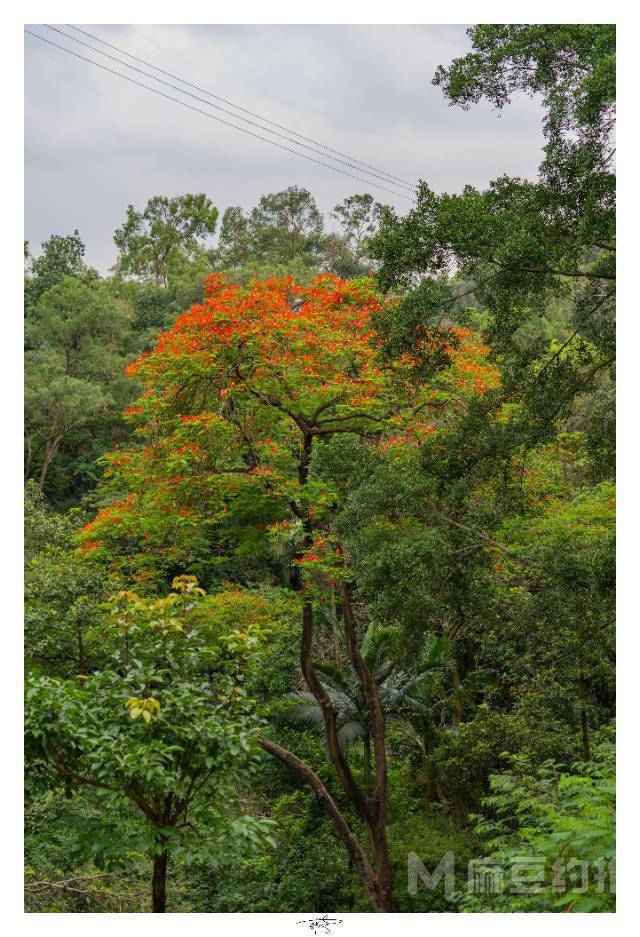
x: 235, y: 246
x: 76, y: 336
x: 283, y: 228
x: 149, y: 240
x: 359, y: 218
x: 286, y: 224
x: 61, y: 257
x: 65, y: 625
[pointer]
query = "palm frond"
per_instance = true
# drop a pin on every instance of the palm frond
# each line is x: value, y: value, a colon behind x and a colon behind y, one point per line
x: 330, y: 620
x: 367, y: 645
x: 335, y: 678
x: 437, y: 652
x: 301, y: 710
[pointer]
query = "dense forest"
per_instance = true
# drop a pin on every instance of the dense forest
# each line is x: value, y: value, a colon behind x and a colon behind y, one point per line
x: 320, y: 537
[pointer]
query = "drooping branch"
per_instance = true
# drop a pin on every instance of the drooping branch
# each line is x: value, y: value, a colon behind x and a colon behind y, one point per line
x: 326, y: 801
x: 477, y: 533
x: 552, y: 271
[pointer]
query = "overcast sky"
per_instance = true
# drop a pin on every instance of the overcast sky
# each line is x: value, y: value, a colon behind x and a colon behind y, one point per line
x: 94, y: 143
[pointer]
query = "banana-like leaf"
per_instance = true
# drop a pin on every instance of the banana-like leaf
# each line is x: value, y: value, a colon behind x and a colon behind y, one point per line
x: 350, y: 732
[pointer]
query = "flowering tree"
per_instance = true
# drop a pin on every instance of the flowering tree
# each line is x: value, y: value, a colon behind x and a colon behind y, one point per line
x: 240, y: 398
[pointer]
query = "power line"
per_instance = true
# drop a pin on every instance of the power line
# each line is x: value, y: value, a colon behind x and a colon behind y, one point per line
x: 220, y: 120
x: 244, y: 110
x: 180, y: 90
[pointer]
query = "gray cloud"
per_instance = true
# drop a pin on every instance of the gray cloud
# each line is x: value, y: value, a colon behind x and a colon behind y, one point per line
x: 94, y: 143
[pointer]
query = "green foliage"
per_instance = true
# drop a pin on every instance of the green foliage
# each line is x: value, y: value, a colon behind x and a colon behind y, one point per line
x: 61, y: 257
x: 565, y: 820
x: 430, y: 839
x: 284, y: 235
x: 521, y: 248
x: 64, y: 621
x: 61, y: 839
x: 347, y: 253
x: 304, y: 869
x: 345, y: 691
x: 572, y: 66
x: 150, y: 240
x: 283, y: 226
x: 167, y: 730
x: 78, y: 338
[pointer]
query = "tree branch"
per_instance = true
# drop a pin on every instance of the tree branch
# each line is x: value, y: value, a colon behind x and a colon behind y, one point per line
x: 326, y: 801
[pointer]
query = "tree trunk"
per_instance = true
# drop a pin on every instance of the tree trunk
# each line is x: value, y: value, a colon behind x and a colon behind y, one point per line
x: 82, y: 664
x: 384, y: 871
x: 50, y: 449
x: 456, y: 706
x: 326, y: 801
x: 159, y: 885
x: 426, y: 804
x: 375, y: 815
x: 351, y: 897
x: 377, y: 879
x: 157, y: 270
x: 366, y: 763
x: 584, y: 724
x: 27, y: 466
x: 441, y: 794
x: 371, y: 807
x: 49, y: 452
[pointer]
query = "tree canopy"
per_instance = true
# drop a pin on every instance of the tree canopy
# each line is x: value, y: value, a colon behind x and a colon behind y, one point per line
x: 150, y: 239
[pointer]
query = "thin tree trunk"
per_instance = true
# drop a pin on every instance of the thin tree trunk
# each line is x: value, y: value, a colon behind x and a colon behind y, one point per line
x: 48, y: 456
x: 82, y: 664
x: 456, y: 706
x: 334, y: 615
x: 27, y: 468
x: 159, y: 885
x: 50, y: 449
x: 158, y: 271
x: 584, y: 723
x: 159, y: 266
x: 366, y: 763
x: 426, y: 804
x: 440, y: 792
